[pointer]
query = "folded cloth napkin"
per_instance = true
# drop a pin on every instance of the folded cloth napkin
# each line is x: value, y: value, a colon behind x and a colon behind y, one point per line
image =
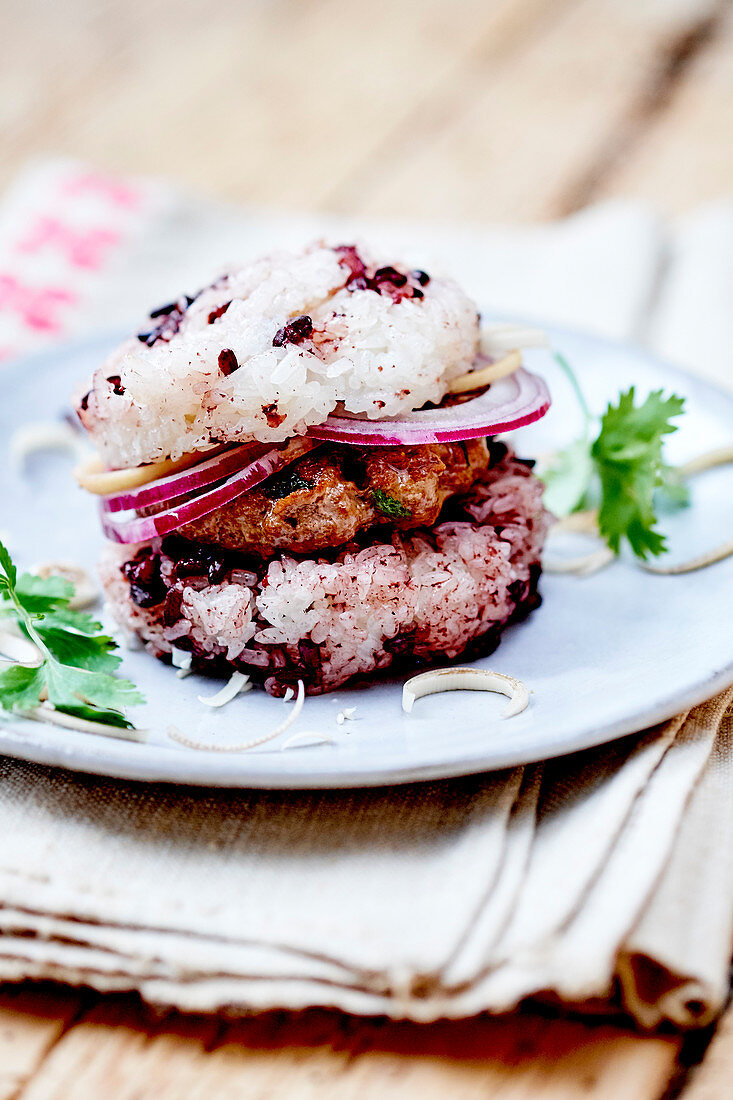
x: 601, y: 879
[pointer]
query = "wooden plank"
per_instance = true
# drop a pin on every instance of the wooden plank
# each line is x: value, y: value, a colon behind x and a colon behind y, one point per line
x: 122, y: 1051
x: 530, y: 126
x: 686, y: 153
x: 268, y: 102
x: 31, y: 1021
x: 713, y: 1079
x: 520, y: 1057
x: 408, y: 110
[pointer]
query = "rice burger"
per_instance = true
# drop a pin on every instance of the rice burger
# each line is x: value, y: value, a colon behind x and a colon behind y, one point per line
x: 300, y: 478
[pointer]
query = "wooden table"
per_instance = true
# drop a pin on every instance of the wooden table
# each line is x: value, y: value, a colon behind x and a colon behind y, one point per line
x: 445, y: 109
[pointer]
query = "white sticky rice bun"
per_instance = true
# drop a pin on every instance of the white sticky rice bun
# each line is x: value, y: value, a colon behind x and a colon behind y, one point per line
x: 379, y: 352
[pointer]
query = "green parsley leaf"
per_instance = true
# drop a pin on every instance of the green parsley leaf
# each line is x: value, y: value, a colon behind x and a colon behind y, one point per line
x: 40, y: 594
x: 94, y: 714
x: 388, y: 506
x: 78, y: 660
x: 282, y: 485
x: 93, y: 653
x: 568, y: 479
x: 8, y: 576
x: 20, y: 687
x: 78, y: 621
x: 622, y: 471
x: 68, y: 687
x: 628, y: 457
x: 675, y: 493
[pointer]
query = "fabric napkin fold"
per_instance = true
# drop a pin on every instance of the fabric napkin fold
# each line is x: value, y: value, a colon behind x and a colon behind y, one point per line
x: 439, y: 899
x: 602, y: 878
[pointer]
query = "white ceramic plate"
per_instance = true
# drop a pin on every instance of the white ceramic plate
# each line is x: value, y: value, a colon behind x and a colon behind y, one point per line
x: 604, y: 656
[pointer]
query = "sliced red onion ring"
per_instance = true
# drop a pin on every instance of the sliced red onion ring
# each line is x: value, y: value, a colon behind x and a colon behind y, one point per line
x: 508, y: 403
x: 185, y: 481
x: 145, y: 528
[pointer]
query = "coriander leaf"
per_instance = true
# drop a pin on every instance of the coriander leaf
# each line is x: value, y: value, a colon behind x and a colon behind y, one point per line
x: 388, y: 506
x: 20, y: 687
x: 94, y: 714
x: 674, y: 492
x: 39, y: 594
x: 67, y: 687
x: 282, y: 485
x: 568, y: 479
x: 8, y: 569
x: 77, y: 659
x: 80, y: 650
x: 628, y: 456
x: 79, y: 621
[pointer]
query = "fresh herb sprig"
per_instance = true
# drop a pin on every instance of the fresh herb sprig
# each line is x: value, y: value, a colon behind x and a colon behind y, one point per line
x: 77, y: 662
x: 617, y: 466
x: 282, y: 485
x: 389, y: 506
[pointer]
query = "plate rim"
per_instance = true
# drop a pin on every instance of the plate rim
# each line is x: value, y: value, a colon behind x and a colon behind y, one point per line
x: 211, y: 770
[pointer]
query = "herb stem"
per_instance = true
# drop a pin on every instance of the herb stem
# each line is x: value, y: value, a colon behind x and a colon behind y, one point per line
x: 572, y: 379
x: 27, y: 621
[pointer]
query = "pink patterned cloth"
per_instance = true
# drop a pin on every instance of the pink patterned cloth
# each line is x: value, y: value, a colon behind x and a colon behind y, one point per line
x: 83, y: 252
x: 62, y: 230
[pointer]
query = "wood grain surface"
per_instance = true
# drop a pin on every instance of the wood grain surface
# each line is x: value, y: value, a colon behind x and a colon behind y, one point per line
x: 54, y: 1046
x: 462, y: 110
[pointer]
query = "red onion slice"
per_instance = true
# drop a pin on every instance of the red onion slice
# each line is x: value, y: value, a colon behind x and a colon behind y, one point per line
x: 508, y: 403
x: 176, y: 485
x: 145, y: 528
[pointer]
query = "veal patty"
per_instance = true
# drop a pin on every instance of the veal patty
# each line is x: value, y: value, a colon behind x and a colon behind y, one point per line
x: 334, y: 492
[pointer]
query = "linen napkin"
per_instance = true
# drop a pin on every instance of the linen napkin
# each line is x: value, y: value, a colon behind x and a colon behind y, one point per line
x: 602, y: 879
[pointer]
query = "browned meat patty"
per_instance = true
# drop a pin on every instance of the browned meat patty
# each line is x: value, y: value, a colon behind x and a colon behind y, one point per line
x: 334, y: 492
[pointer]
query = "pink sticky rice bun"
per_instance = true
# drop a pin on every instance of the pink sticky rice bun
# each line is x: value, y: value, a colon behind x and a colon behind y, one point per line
x: 391, y: 599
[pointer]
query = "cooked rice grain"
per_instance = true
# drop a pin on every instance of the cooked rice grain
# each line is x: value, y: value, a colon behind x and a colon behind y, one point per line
x: 418, y: 598
x: 378, y: 353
